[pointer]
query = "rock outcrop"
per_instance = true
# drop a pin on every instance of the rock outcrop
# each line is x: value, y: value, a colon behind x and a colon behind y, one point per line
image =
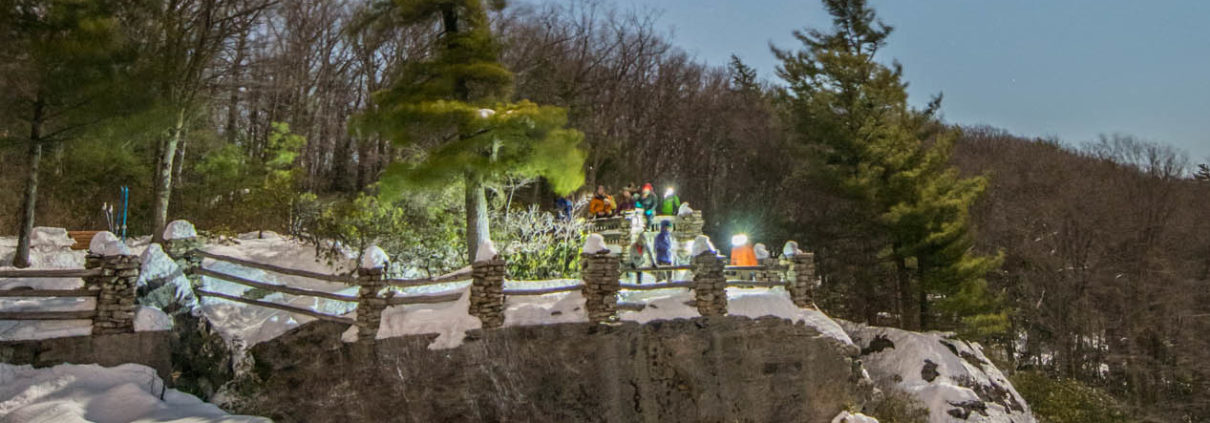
x: 702, y: 369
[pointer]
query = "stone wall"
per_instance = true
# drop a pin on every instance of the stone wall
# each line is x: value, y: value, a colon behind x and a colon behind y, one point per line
x: 801, y: 283
x: 706, y: 369
x: 152, y: 349
x: 369, y: 303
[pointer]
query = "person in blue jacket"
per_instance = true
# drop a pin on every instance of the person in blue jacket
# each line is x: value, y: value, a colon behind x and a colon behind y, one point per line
x: 663, y: 244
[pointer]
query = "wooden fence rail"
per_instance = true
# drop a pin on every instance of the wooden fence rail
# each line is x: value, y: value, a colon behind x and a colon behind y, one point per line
x: 48, y: 315
x: 277, y: 269
x: 55, y: 293
x: 283, y: 307
x: 285, y: 289
x: 49, y: 273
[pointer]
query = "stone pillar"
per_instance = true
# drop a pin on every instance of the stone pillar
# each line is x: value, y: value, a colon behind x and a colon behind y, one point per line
x: 369, y: 304
x: 116, y: 291
x: 182, y: 251
x: 487, y: 292
x: 601, y: 272
x: 709, y: 284
x: 801, y: 283
x: 769, y: 273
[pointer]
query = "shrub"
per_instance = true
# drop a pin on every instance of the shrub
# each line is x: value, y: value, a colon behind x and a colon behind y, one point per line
x: 1067, y: 400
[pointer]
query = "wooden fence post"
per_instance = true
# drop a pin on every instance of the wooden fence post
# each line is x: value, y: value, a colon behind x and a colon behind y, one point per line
x: 801, y: 283
x: 601, y: 272
x: 709, y: 283
x: 115, y: 285
x: 487, y: 290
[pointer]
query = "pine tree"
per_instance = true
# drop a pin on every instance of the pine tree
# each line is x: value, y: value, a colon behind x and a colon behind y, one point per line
x: 1202, y: 173
x: 743, y: 77
x: 861, y: 137
x: 63, y: 64
x: 452, y: 111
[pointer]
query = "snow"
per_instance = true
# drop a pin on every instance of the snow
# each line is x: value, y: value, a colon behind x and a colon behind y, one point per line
x: 595, y: 243
x: 107, y: 244
x: 790, y: 249
x: 147, y: 319
x: 158, y: 269
x: 179, y: 229
x: 486, y: 252
x: 449, y: 321
x: 963, y: 374
x: 49, y: 239
x: 702, y: 244
x: 684, y: 210
x: 847, y: 417
x: 91, y: 393
x: 762, y: 252
x: 374, y: 258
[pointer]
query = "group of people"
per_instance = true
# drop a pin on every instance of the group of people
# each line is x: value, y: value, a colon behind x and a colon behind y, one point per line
x: 603, y: 205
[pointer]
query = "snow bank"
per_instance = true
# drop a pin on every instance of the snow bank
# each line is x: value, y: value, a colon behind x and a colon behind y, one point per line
x: 91, y: 393
x: 847, y: 417
x: 374, y: 258
x: 790, y: 249
x: 147, y: 319
x: 953, y: 378
x: 449, y: 321
x: 486, y: 252
x: 702, y: 244
x: 107, y: 244
x: 47, y: 239
x: 179, y: 229
x: 595, y: 244
x: 762, y: 252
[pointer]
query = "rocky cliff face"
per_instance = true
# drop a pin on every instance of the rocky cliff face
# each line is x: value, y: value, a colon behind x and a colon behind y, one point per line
x: 702, y: 369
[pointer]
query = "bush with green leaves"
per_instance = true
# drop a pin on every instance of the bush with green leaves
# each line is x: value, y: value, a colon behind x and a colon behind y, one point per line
x: 1056, y: 400
x: 258, y: 189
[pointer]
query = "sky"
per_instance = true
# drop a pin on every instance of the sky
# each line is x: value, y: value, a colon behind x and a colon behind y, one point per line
x: 1071, y: 69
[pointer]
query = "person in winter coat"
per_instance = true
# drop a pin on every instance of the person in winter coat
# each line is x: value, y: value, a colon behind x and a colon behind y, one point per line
x: 671, y: 203
x: 564, y: 206
x: 663, y: 244
x: 648, y: 201
x: 742, y: 252
x: 626, y: 203
x: 602, y: 204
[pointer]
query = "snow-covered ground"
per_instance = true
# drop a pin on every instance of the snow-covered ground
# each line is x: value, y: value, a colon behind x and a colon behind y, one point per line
x: 951, y: 377
x: 91, y: 393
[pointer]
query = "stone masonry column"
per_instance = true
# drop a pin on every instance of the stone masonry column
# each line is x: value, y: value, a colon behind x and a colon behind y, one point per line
x: 601, y: 272
x: 709, y: 284
x: 180, y: 243
x: 487, y: 291
x: 115, y: 285
x: 801, y: 283
x: 369, y: 303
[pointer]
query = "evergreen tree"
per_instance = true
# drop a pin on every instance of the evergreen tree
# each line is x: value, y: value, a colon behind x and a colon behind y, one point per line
x: 852, y: 118
x: 62, y: 66
x: 743, y: 77
x: 1202, y: 173
x: 451, y: 110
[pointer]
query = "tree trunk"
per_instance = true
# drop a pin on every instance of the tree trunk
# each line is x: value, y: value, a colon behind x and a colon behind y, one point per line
x: 923, y: 294
x: 163, y: 183
x: 477, y: 230
x: 28, y: 206
x: 903, y: 284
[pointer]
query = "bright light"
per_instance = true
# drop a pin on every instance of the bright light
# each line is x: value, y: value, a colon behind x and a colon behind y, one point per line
x: 668, y: 192
x: 739, y: 239
x: 486, y: 113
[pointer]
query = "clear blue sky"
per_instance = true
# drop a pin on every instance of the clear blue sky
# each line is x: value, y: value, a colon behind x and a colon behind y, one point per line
x: 1065, y: 68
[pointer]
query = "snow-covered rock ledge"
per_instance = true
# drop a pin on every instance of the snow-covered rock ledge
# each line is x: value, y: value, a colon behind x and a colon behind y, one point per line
x: 951, y: 377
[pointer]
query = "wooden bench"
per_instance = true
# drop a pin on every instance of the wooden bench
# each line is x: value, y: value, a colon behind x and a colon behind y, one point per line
x: 82, y: 238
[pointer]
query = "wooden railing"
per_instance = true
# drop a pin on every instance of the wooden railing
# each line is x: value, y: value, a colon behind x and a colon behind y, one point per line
x: 49, y: 293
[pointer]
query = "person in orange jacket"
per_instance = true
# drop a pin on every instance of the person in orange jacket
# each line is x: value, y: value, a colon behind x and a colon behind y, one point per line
x: 602, y: 204
x: 742, y: 253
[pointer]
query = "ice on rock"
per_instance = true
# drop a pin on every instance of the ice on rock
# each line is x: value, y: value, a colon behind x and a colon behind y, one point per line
x: 179, y: 229
x: 46, y: 239
x: 790, y: 249
x: 762, y: 252
x: 847, y: 417
x: 595, y: 244
x: 684, y: 210
x: 374, y: 258
x: 486, y: 252
x: 702, y: 244
x: 107, y: 244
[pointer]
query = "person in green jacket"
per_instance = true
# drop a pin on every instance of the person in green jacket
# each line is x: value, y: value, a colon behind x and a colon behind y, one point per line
x: 648, y: 201
x: 671, y: 203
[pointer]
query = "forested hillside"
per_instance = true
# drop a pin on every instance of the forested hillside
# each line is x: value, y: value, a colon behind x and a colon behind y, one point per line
x: 243, y: 115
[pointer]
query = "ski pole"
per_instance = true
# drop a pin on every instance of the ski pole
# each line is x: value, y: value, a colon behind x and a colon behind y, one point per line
x: 125, y: 209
